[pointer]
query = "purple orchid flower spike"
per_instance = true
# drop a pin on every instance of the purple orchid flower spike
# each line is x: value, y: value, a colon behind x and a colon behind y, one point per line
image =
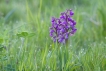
x: 63, y: 27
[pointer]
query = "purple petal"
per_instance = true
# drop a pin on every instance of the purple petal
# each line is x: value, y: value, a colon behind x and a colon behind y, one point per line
x: 53, y: 19
x: 74, y: 23
x: 51, y: 31
x: 73, y: 31
x: 51, y: 34
x: 71, y: 13
x: 66, y: 36
x: 61, y: 40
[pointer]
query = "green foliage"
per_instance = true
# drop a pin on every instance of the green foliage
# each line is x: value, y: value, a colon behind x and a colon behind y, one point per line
x: 10, y: 11
x: 25, y: 34
x: 9, y: 15
x: 9, y: 68
x: 1, y: 40
x: 102, y: 17
x: 25, y: 44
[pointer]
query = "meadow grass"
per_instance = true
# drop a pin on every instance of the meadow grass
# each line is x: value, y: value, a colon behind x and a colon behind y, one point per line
x: 25, y: 44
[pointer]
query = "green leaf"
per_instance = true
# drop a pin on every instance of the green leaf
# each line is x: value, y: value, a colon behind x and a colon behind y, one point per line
x: 22, y: 34
x: 1, y: 40
x: 25, y: 34
x: 31, y: 34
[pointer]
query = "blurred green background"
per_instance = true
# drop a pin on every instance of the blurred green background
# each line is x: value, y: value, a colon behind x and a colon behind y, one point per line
x: 25, y: 44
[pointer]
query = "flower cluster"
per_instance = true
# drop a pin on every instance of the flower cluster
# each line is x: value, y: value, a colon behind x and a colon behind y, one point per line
x: 62, y: 27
